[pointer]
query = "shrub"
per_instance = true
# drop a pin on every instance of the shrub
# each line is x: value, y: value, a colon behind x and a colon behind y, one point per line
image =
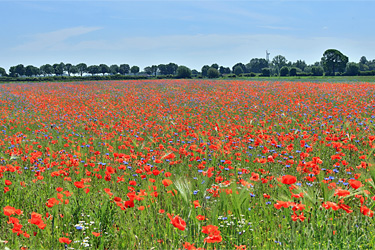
x: 284, y: 71
x: 352, y: 69
x: 266, y: 72
x: 293, y: 71
x: 183, y: 72
x: 367, y: 73
x: 317, y: 71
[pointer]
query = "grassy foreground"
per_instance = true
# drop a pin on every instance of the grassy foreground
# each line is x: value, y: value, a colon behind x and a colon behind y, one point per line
x: 185, y: 164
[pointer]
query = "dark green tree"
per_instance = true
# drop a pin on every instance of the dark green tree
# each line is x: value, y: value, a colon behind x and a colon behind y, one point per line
x: 20, y: 70
x: 104, y: 69
x: 363, y: 64
x: 278, y: 62
x: 183, y: 72
x: 238, y: 70
x: 68, y: 68
x: 300, y: 64
x: 172, y: 68
x: 31, y: 70
x: 213, y: 73
x: 293, y: 71
x: 317, y: 70
x: 243, y: 67
x: 93, y: 69
x: 59, y: 68
x: 114, y: 69
x: 163, y: 69
x: 134, y: 69
x: 352, y: 69
x: 256, y: 65
x: 73, y: 69
x: 224, y: 70
x: 3, y: 72
x: 284, y: 71
x: 124, y: 69
x: 148, y: 70
x: 334, y: 61
x: 46, y: 69
x: 154, y: 69
x: 215, y: 66
x: 266, y: 72
x: 12, y: 71
x: 204, y: 70
x: 82, y: 68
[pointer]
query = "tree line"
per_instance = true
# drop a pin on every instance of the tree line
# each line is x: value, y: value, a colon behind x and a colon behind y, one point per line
x: 333, y: 62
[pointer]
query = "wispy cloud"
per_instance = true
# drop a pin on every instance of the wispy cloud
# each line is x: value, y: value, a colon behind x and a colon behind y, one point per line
x: 54, y: 40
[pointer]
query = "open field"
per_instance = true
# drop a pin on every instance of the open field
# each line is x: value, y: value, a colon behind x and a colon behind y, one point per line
x: 174, y: 164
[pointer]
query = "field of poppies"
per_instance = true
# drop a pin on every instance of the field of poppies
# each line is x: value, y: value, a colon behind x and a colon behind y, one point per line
x: 187, y: 164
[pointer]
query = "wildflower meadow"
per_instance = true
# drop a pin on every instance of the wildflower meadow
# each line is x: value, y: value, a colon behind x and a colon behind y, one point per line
x: 187, y: 164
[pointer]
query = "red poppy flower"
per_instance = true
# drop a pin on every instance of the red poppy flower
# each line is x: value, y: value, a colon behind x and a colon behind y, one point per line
x: 167, y: 182
x: 355, y: 184
x: 65, y: 240
x: 177, y: 222
x: 79, y: 184
x: 213, y: 238
x: 96, y: 234
x: 201, y: 217
x: 288, y: 179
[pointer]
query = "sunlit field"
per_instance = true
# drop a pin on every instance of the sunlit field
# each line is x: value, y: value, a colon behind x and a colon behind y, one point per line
x: 187, y: 164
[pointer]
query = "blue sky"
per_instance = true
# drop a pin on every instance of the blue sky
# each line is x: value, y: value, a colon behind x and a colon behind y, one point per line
x: 191, y: 33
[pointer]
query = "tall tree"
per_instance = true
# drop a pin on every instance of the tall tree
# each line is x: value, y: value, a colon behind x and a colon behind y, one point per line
x: 215, y: 66
x: 93, y: 69
x: 3, y: 72
x: 172, y: 68
x: 31, y: 70
x: 334, y: 61
x: 205, y: 69
x: 82, y: 68
x: 13, y: 71
x: 20, y: 70
x: 124, y: 69
x: 238, y: 70
x: 74, y: 69
x: 148, y: 70
x: 256, y: 65
x: 363, y: 64
x: 134, y: 69
x: 114, y: 69
x: 300, y: 64
x: 363, y: 60
x: 59, y: 68
x: 154, y: 69
x: 224, y: 70
x: 243, y: 67
x: 46, y: 69
x: 104, y: 69
x: 278, y: 62
x: 68, y: 68
x: 163, y: 69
